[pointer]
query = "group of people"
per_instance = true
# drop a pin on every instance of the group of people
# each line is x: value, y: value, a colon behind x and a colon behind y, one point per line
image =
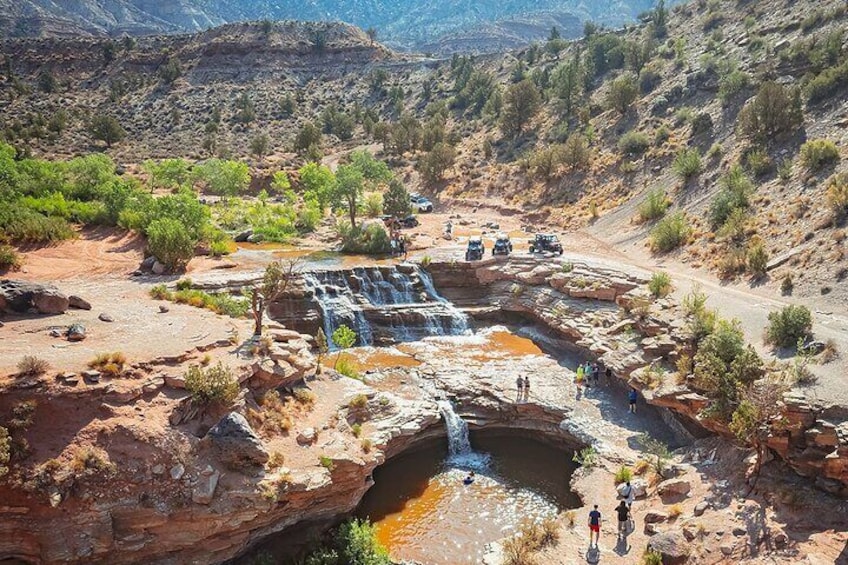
x: 523, y: 385
x: 589, y: 374
x: 398, y: 242
x: 623, y: 512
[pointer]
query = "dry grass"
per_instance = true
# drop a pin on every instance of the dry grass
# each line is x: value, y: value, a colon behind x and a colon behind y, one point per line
x: 531, y: 538
x: 674, y: 511
x: 110, y: 364
x: 32, y: 366
x: 276, y: 460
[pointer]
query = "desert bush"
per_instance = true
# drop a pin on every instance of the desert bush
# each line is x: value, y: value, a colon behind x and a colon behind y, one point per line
x: 734, y: 193
x: 586, y: 457
x: 5, y: 451
x: 356, y: 429
x: 731, y: 262
x: 106, y: 128
x: 358, y: 402
x: 30, y: 366
x: 434, y: 164
x: 347, y: 367
x: 788, y: 325
x: 88, y: 461
x: 670, y: 232
x: 837, y: 194
x: 732, y: 84
x: 213, y: 384
x: 9, y: 258
x: 521, y: 102
x: 651, y: 557
x: 674, y: 511
x: 654, y: 206
x: 663, y: 134
x: 660, y: 284
x: 634, y: 143
x: 170, y: 242
x: 702, y: 123
x: 326, y: 462
x: 758, y: 162
x: 817, y: 153
x: 373, y: 204
x: 775, y: 111
x: 623, y: 475
x: 827, y: 83
x: 758, y: 257
x: 304, y: 397
x: 687, y: 163
x: 160, y: 292
x: 622, y: 92
x: 575, y: 152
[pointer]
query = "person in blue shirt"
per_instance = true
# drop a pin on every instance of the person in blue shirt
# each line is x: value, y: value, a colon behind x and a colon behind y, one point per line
x: 634, y: 396
x: 594, y: 525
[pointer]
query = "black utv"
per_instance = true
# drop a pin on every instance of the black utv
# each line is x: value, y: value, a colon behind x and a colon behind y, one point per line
x: 475, y: 249
x: 546, y: 242
x: 503, y: 246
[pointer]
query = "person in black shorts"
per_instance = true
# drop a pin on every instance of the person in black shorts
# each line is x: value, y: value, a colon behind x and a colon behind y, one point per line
x: 623, y: 512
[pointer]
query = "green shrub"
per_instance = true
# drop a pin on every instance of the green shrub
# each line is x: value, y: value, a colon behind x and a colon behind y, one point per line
x: 786, y: 284
x: 775, y: 110
x: 220, y: 303
x: 837, y: 194
x: 634, y: 143
x: 170, y: 242
x: 732, y: 84
x: 734, y: 193
x: 758, y: 257
x: 9, y: 258
x: 651, y: 557
x: 670, y: 232
x: 758, y: 162
x: 345, y: 366
x: 370, y: 240
x: 5, y: 451
x: 654, y: 206
x: 827, y: 83
x: 687, y: 163
x: 326, y: 462
x: 160, y: 292
x: 623, y: 475
x: 622, y: 92
x: 788, y: 325
x: 586, y: 457
x: 374, y: 204
x: 660, y: 284
x: 214, y: 384
x: 662, y: 135
x: 358, y: 544
x: 23, y: 225
x: 818, y: 153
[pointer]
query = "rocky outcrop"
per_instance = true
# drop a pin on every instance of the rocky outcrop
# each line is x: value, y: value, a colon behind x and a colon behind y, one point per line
x: 605, y: 313
x: 22, y: 296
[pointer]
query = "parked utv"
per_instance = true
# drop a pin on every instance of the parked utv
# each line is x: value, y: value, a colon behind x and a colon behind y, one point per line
x: 503, y: 246
x: 546, y: 242
x: 475, y: 249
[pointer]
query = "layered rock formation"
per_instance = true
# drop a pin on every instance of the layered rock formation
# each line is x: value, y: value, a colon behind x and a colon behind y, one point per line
x: 612, y: 317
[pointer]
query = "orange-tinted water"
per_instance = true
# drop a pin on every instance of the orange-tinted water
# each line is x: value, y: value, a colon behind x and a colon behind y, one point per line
x: 423, y: 512
x: 368, y: 358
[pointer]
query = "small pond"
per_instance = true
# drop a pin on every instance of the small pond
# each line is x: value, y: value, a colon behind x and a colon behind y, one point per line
x: 424, y: 512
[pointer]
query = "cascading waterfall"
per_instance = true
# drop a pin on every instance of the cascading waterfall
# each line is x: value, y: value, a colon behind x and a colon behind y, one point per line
x: 457, y: 428
x: 369, y: 300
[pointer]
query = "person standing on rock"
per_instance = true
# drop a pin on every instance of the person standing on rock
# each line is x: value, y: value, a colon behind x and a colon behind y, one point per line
x: 623, y: 518
x: 595, y: 374
x: 608, y: 375
x: 580, y: 374
x: 633, y: 397
x: 594, y: 526
x: 519, y: 382
x: 526, y: 388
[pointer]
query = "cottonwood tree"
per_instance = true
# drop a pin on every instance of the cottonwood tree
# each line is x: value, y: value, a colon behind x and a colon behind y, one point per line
x: 396, y: 199
x: 348, y: 189
x: 278, y: 275
x: 343, y: 338
x: 758, y: 414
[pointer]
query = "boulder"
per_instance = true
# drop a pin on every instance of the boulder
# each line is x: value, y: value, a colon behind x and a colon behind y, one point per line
x: 76, y: 332
x: 147, y: 263
x: 177, y: 471
x: 234, y: 443
x: 204, y: 490
x: 243, y: 236
x: 655, y: 516
x: 307, y: 436
x: 21, y: 296
x: 268, y: 373
x: 79, y: 303
x: 104, y: 317
x: 701, y: 507
x: 158, y: 268
x: 672, y: 546
x: 674, y: 487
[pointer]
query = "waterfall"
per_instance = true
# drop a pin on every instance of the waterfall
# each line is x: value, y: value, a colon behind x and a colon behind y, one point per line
x: 387, y: 301
x: 457, y: 429
x: 459, y: 321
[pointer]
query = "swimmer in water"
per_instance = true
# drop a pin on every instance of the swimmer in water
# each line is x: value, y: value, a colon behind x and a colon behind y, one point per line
x: 469, y: 479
